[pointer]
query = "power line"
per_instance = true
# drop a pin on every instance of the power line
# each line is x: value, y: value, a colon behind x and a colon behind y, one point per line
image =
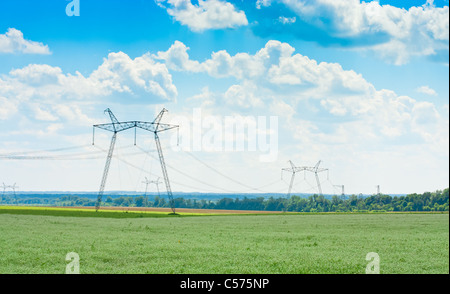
x: 193, y: 178
x: 222, y: 174
x: 44, y: 151
x: 71, y: 156
x: 227, y: 177
x: 150, y: 173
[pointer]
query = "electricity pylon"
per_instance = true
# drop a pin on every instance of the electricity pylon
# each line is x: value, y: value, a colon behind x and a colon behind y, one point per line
x: 115, y: 126
x: 295, y: 169
x: 147, y: 182
x: 13, y: 187
x: 342, y: 194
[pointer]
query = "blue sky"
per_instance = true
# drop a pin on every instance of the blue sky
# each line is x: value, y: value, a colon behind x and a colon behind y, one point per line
x: 362, y: 86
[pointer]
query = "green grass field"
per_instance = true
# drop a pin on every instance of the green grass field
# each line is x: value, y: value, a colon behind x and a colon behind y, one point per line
x: 37, y: 241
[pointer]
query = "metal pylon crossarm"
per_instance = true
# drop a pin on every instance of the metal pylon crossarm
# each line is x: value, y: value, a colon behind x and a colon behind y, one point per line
x: 295, y: 169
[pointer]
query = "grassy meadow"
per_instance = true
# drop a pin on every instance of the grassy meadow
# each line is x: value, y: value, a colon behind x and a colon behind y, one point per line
x: 36, y: 241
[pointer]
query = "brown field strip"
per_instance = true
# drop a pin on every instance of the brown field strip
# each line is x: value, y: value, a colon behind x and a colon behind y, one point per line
x: 181, y: 210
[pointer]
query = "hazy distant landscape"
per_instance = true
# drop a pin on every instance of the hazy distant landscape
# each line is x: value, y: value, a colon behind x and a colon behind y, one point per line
x: 428, y: 201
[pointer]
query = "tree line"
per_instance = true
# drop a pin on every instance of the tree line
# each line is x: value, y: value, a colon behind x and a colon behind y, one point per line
x: 428, y: 201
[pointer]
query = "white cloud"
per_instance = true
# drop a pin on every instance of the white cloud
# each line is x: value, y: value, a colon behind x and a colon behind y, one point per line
x: 53, y: 128
x: 141, y: 77
x: 353, y: 17
x: 72, y: 112
x: 260, y: 3
x: 177, y: 58
x: 45, y: 93
x: 275, y: 65
x: 208, y: 14
x: 426, y: 90
x: 7, y: 108
x: 393, y: 33
x: 275, y: 77
x: 13, y: 42
x: 287, y: 20
x: 242, y: 96
x: 425, y: 113
x: 222, y: 64
x: 37, y: 74
x: 42, y: 114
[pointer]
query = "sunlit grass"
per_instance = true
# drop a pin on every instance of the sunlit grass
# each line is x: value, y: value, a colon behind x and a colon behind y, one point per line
x: 262, y: 244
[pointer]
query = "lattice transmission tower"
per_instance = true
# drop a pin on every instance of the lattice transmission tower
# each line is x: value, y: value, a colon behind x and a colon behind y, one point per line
x: 343, y: 193
x: 13, y: 188
x: 115, y: 127
x: 147, y: 182
x: 295, y: 169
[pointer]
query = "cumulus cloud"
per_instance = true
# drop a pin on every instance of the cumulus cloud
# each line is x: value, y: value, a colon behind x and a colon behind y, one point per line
x: 7, y: 108
x: 243, y: 96
x: 222, y: 64
x: 287, y: 20
x: 13, y: 42
x: 206, y: 15
x: 72, y: 112
x: 393, y: 33
x: 274, y: 65
x: 141, y: 77
x: 41, y: 113
x: 276, y: 77
x: 46, y: 93
x: 426, y: 90
x: 177, y: 58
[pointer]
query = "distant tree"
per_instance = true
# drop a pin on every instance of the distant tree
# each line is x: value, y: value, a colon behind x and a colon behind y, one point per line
x: 156, y: 202
x: 139, y: 201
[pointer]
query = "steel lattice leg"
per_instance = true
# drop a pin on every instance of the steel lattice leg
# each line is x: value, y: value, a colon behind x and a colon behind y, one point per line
x: 105, y: 172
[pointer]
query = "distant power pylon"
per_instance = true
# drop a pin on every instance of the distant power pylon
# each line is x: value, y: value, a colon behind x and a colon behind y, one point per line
x: 13, y: 187
x: 343, y: 193
x: 295, y: 169
x: 147, y: 182
x: 378, y: 190
x: 155, y: 127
